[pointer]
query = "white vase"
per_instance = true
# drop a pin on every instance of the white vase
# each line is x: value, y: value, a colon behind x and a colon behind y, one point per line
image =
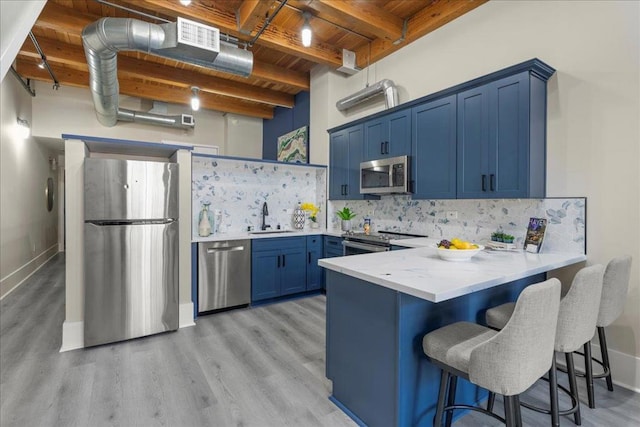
x: 315, y: 224
x: 204, y: 225
x: 298, y: 218
x: 346, y: 225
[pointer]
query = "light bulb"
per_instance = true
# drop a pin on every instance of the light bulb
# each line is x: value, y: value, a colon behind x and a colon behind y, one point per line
x: 195, y: 101
x: 185, y: 2
x: 306, y: 34
x: 41, y: 65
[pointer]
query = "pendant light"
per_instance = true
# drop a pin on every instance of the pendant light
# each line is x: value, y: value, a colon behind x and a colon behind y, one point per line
x: 195, y: 100
x: 306, y: 33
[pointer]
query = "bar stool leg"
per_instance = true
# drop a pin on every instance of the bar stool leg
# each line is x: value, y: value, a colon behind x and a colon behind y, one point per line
x: 605, y: 357
x: 444, y: 382
x: 518, y: 413
x: 451, y: 398
x: 491, y: 401
x: 510, y: 411
x: 553, y: 393
x: 573, y: 387
x: 589, y: 374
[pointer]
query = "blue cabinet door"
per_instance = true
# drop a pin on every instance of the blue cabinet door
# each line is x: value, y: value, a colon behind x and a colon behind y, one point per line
x: 315, y: 273
x: 509, y: 136
x: 473, y: 143
x: 265, y: 275
x: 344, y: 163
x: 433, y: 163
x: 388, y: 136
x: 293, y: 273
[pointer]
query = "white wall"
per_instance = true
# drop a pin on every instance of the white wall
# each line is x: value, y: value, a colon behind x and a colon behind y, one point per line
x: 28, y: 232
x: 16, y: 19
x: 593, y: 108
x: 70, y: 110
x: 242, y: 136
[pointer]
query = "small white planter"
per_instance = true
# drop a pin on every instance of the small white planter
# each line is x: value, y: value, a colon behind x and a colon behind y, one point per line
x: 346, y: 225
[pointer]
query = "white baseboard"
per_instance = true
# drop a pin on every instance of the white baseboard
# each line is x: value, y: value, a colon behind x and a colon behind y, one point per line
x: 625, y: 368
x: 72, y: 336
x: 11, y: 281
x: 186, y: 315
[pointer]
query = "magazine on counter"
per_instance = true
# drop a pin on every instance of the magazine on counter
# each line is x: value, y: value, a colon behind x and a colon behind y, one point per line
x: 535, y: 234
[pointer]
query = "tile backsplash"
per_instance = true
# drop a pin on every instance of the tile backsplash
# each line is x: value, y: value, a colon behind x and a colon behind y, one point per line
x: 476, y: 219
x: 239, y: 188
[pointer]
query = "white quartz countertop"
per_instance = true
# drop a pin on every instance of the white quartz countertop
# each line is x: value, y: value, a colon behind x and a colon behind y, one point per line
x: 246, y: 235
x: 421, y: 273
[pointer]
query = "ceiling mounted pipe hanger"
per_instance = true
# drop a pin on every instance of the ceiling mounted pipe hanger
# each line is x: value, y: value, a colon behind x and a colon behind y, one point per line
x: 27, y: 85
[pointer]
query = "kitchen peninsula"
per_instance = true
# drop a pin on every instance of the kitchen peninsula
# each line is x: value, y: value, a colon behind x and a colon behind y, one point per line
x: 379, y: 306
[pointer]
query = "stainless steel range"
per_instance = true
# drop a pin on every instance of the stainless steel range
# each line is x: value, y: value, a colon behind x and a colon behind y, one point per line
x: 354, y: 243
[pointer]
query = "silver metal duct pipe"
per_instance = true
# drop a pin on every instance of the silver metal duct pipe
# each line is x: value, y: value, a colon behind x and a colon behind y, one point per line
x: 385, y: 87
x: 184, y: 121
x: 104, y: 38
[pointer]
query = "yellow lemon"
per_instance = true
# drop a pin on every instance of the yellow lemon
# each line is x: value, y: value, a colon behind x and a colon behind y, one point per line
x: 452, y: 248
x: 455, y: 241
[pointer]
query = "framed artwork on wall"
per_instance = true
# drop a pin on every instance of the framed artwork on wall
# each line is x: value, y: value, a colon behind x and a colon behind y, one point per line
x: 294, y: 146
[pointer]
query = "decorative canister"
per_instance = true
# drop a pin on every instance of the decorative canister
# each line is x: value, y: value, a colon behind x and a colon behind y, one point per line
x: 205, y: 221
x: 298, y: 217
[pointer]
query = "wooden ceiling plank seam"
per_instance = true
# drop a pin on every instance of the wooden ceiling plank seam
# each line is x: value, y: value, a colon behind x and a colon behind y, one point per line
x: 159, y: 92
x: 250, y: 13
x: 369, y: 16
x: 64, y: 19
x: 131, y: 67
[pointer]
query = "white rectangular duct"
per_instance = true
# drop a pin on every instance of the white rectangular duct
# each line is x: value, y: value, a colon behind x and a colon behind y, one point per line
x: 385, y: 87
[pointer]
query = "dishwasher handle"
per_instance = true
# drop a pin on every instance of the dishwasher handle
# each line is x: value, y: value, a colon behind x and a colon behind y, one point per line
x: 225, y: 249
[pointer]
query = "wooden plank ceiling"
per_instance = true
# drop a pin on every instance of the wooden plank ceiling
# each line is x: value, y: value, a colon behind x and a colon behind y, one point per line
x: 372, y: 29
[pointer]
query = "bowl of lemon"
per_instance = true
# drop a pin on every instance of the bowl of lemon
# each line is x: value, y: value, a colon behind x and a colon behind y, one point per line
x: 457, y: 250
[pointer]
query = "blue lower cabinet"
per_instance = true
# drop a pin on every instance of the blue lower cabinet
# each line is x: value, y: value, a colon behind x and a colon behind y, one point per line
x: 332, y: 248
x: 278, y: 267
x: 315, y: 273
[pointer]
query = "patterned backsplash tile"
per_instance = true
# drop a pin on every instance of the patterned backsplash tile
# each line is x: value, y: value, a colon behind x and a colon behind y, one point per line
x: 239, y: 188
x: 476, y: 219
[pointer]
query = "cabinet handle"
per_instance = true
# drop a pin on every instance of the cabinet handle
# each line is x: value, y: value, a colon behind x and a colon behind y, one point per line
x: 492, y: 180
x: 278, y: 261
x: 346, y: 190
x: 386, y: 147
x: 309, y: 257
x: 484, y: 182
x: 382, y: 147
x: 284, y: 257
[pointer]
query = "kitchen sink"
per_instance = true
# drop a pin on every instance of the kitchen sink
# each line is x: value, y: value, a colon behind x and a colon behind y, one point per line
x: 270, y: 231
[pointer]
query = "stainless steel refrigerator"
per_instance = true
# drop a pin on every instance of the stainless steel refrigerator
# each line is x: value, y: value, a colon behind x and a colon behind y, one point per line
x: 130, y: 249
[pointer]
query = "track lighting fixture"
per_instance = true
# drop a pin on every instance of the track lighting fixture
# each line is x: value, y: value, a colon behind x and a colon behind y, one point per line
x: 306, y: 33
x: 42, y: 64
x: 195, y: 100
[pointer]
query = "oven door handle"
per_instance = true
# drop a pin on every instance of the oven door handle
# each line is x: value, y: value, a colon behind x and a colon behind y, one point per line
x: 364, y: 246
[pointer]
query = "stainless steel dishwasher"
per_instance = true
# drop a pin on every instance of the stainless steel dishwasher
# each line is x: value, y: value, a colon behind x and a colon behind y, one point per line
x: 224, y: 274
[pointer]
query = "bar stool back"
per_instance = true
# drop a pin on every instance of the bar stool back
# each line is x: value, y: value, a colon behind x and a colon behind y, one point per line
x: 615, y: 286
x: 506, y: 362
x: 576, y: 324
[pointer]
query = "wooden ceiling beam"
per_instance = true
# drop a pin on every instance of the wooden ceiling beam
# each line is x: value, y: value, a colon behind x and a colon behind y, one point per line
x: 155, y: 92
x: 365, y: 15
x: 65, y: 19
x: 274, y: 37
x: 432, y: 17
x: 250, y: 13
x: 67, y: 54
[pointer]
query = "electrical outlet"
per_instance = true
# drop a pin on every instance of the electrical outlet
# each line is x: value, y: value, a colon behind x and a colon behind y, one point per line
x: 452, y: 214
x: 371, y: 213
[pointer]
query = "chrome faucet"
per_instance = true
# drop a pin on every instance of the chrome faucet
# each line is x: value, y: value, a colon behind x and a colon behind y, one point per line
x: 265, y: 212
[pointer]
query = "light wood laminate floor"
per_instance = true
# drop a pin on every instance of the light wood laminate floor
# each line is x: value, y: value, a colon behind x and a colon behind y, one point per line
x: 249, y: 367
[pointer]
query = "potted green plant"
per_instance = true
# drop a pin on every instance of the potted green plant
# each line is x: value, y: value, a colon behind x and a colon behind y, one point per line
x: 507, y: 238
x: 346, y: 215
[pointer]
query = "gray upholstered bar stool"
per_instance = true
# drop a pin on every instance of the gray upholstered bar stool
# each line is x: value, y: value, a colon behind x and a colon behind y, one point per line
x: 576, y: 325
x: 506, y: 362
x: 615, y: 286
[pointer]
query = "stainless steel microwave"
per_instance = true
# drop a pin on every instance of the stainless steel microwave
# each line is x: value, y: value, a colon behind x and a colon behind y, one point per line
x: 385, y: 176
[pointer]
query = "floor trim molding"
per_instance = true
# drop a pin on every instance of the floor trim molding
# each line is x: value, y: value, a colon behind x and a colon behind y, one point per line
x: 13, y: 280
x: 72, y: 336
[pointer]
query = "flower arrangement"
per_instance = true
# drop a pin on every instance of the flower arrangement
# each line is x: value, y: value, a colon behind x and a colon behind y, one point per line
x: 312, y: 209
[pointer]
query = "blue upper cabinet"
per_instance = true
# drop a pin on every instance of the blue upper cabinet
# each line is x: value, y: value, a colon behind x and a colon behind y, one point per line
x: 388, y: 136
x: 501, y: 139
x: 433, y: 163
x: 344, y: 163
